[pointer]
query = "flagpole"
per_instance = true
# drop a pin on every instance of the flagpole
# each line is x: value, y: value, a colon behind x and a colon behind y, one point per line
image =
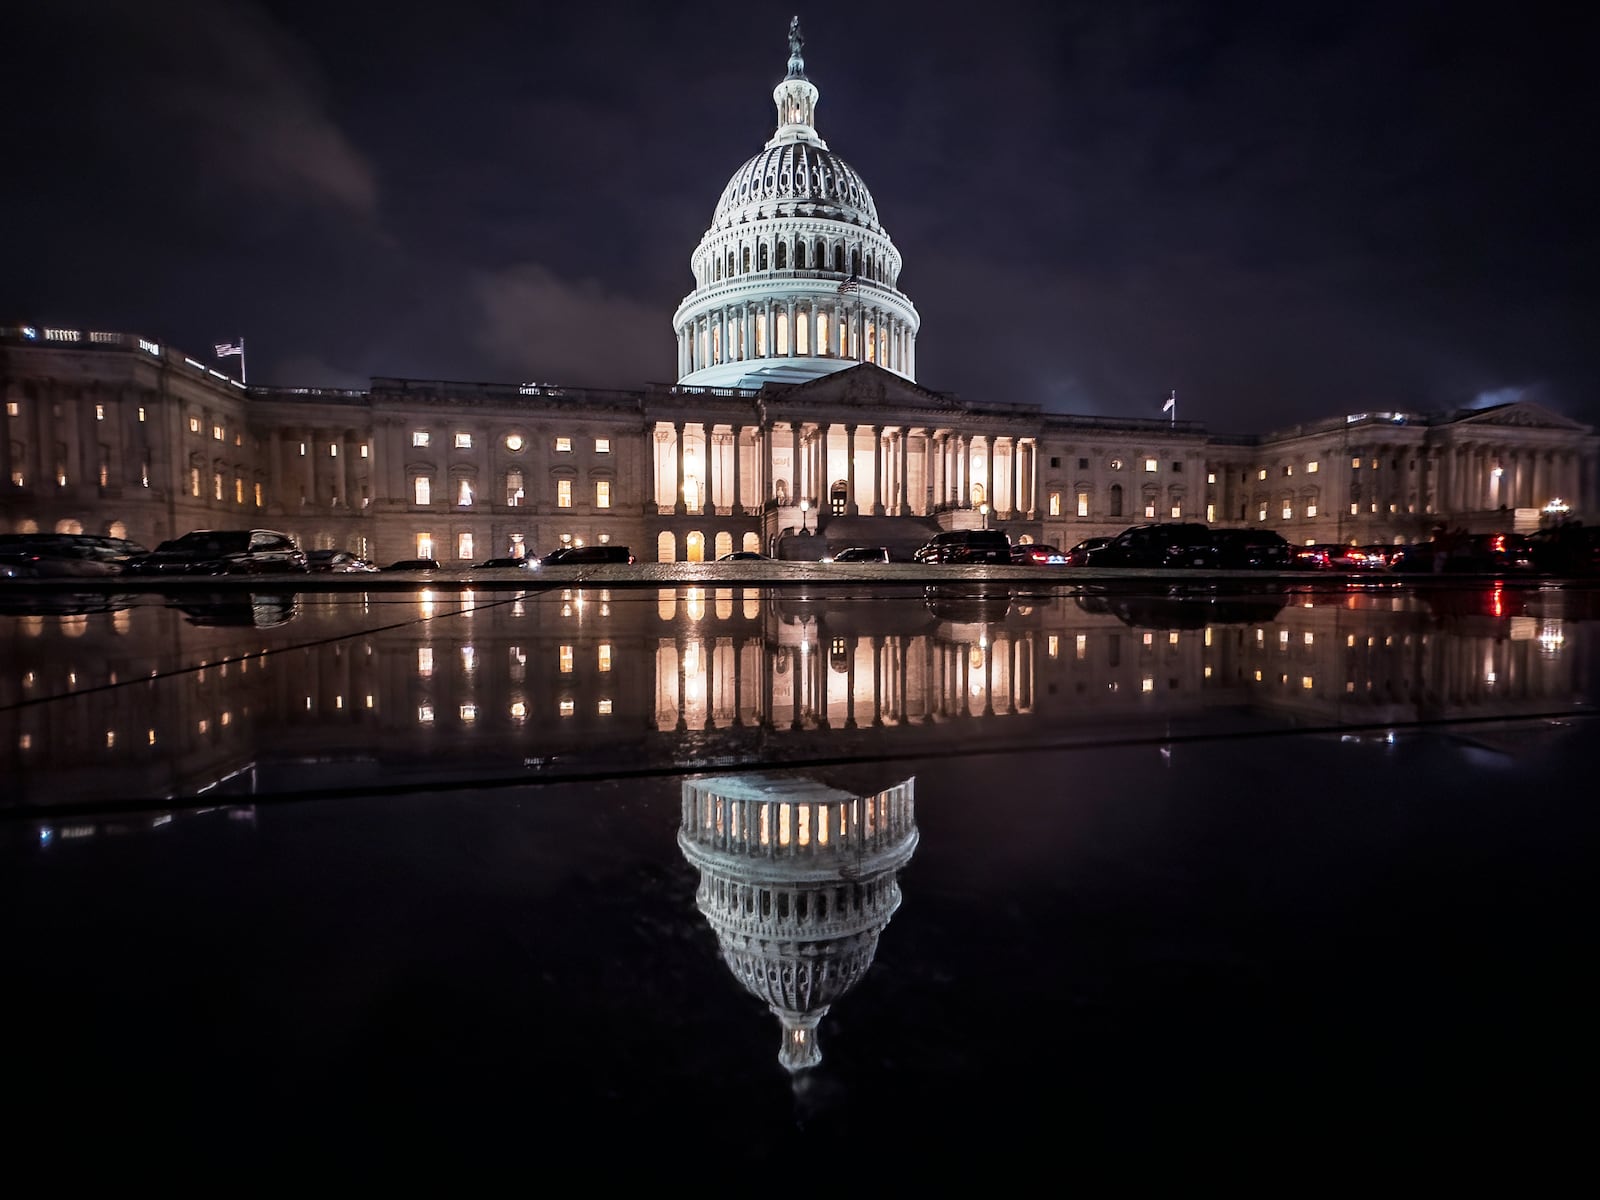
x: 241, y: 362
x: 1172, y: 401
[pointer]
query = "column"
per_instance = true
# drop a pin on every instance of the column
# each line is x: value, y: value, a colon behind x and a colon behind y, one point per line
x: 788, y: 320
x: 795, y: 493
x: 738, y: 475
x: 680, y: 504
x: 850, y: 507
x: 904, y: 510
x: 877, y: 470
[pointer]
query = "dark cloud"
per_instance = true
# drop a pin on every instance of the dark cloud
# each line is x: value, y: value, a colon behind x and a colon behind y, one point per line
x: 1280, y: 211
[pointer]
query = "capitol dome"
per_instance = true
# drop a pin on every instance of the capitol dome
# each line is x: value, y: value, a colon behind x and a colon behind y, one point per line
x: 795, y: 277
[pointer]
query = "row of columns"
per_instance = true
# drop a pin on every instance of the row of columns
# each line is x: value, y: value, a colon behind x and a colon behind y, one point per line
x: 318, y: 477
x: 742, y: 332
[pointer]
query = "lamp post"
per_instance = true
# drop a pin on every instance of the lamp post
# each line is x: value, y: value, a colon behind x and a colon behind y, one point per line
x: 804, y: 505
x: 984, y: 509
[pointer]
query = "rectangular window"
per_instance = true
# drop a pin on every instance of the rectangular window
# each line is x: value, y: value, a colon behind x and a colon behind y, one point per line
x: 603, y: 707
x: 514, y: 493
x: 216, y: 433
x: 463, y: 545
x: 1354, y: 508
x: 1211, y: 476
x: 194, y: 481
x: 1083, y: 463
x: 566, y: 660
x: 1311, y: 510
x: 99, y: 412
x: 424, y: 545
x: 333, y: 449
x: 1177, y: 511
x: 421, y: 437
x: 17, y: 478
x: 602, y: 493
x: 463, y: 441
x: 1261, y: 514
x: 302, y: 449
x: 238, y: 490
x: 1288, y: 511
x: 1261, y: 474
x: 602, y: 445
x: 194, y: 424
x: 1311, y: 467
x: 1211, y: 514
x: 1150, y: 466
x: 605, y: 656
x: 1355, y: 464
x: 13, y: 408
x: 216, y: 485
x: 141, y: 414
x: 464, y: 493
x: 105, y: 473
x: 366, y: 451
x: 259, y: 498
x: 563, y: 445
x: 1150, y: 511
x: 422, y: 492
x: 1288, y: 470
x: 1083, y: 504
x: 1055, y: 504
x: 563, y: 493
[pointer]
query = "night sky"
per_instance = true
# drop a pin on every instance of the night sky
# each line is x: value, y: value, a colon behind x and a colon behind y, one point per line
x: 1284, y: 211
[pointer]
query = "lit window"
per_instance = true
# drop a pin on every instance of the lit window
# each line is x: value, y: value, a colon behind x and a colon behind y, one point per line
x: 1116, y: 464
x: 423, y: 489
x: 563, y: 445
x: 1288, y: 511
x: 1288, y: 470
x: 1261, y: 474
x: 258, y: 496
x: 1149, y: 466
x: 463, y: 441
x: 216, y: 485
x: 366, y: 451
x: 194, y: 481
x: 602, y: 493
x: 1177, y: 511
x: 1211, y: 476
x: 1055, y: 504
x: 603, y: 708
x: 1261, y: 514
x: 238, y: 490
x: 513, y: 442
x: 424, y: 545
x: 99, y: 412
x: 1150, y: 510
x: 566, y: 660
x: 424, y: 661
x: 1083, y: 504
x: 1211, y: 514
x: 566, y: 708
x: 1311, y: 467
x: 605, y: 656
x: 1355, y: 464
x: 514, y: 494
x: 105, y: 474
x: 1311, y: 510
x: 1354, y: 509
x: 424, y: 714
x: 144, y: 474
x: 216, y: 433
x: 602, y: 446
x: 563, y: 493
x: 421, y: 437
x: 464, y: 493
x: 302, y: 449
x: 13, y: 408
x: 141, y: 413
x: 194, y: 424
x: 333, y: 449
x: 463, y: 545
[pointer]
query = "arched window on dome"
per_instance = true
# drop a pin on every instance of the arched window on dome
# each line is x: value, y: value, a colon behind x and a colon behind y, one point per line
x: 800, y: 256
x: 869, y: 264
x: 820, y: 260
x: 730, y: 264
x: 761, y: 257
x: 855, y: 261
x: 822, y: 333
x: 746, y: 260
x: 717, y: 270
x: 781, y: 259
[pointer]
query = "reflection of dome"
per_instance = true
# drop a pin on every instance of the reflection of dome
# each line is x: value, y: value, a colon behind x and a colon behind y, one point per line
x: 797, y: 879
x: 796, y: 173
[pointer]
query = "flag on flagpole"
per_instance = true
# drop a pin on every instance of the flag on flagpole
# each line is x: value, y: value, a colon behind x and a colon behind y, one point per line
x: 224, y: 349
x: 1172, y: 401
x: 850, y: 285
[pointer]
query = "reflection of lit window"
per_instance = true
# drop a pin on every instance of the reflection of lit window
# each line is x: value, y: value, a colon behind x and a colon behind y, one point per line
x: 424, y: 714
x: 603, y: 708
x: 566, y: 708
x: 519, y: 711
x: 605, y: 656
x: 420, y: 437
x: 563, y: 493
x: 469, y: 712
x: 566, y: 660
x: 424, y: 660
x: 1055, y: 645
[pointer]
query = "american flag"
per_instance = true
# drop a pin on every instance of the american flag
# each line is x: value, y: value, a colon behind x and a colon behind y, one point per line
x: 850, y: 285
x: 226, y: 348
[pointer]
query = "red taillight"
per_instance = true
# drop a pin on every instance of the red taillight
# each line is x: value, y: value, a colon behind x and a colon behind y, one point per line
x: 1498, y: 542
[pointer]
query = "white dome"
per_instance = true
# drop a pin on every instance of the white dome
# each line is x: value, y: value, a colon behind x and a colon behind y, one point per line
x: 796, y: 179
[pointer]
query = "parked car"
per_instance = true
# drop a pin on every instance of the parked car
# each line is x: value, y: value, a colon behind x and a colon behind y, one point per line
x: 1331, y: 556
x: 1037, y: 554
x: 966, y: 546
x: 1468, y: 553
x: 57, y: 561
x: 1078, y: 556
x: 1571, y: 550
x: 336, y: 562
x: 414, y: 564
x: 77, y: 545
x: 521, y: 564
x: 1250, y: 550
x: 571, y: 556
x: 1174, y: 544
x: 221, y: 552
x: 862, y: 554
x: 744, y: 556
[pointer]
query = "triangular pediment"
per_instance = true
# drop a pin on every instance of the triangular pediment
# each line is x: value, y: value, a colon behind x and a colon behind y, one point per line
x: 865, y: 386
x: 1522, y: 414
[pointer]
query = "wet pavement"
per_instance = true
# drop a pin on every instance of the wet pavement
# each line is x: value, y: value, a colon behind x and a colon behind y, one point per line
x: 1137, y: 873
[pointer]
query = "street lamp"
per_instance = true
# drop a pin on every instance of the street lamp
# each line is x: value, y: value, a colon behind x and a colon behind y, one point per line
x: 804, y: 505
x: 984, y: 509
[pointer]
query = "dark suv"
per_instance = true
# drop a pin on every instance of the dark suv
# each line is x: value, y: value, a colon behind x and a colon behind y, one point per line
x: 221, y: 552
x: 1175, y: 544
x: 1251, y: 550
x: 966, y: 546
x: 572, y: 556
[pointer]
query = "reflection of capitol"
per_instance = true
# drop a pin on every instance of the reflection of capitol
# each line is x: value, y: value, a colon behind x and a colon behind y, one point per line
x: 797, y: 879
x: 148, y: 701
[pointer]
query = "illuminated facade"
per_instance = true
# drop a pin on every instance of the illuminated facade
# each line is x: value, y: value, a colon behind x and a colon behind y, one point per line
x: 796, y: 427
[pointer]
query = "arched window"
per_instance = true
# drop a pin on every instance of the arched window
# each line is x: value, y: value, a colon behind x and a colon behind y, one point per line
x: 822, y: 333
x: 855, y: 261
x: 717, y: 270
x: 799, y: 256
x: 724, y: 544
x: 1115, y: 500
x: 694, y: 548
x: 839, y: 497
x: 730, y: 264
x: 747, y: 260
x: 761, y: 257
x: 666, y: 548
x: 821, y: 257
x: 752, y: 542
x: 838, y: 259
x: 782, y: 260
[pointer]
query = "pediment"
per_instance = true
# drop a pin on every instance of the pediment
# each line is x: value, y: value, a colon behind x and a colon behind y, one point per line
x: 1523, y: 414
x: 867, y: 386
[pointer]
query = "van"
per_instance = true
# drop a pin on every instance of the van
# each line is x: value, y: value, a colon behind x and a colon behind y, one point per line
x: 966, y: 546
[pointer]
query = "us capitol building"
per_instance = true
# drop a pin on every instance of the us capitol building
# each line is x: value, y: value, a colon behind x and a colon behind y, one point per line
x: 796, y: 426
